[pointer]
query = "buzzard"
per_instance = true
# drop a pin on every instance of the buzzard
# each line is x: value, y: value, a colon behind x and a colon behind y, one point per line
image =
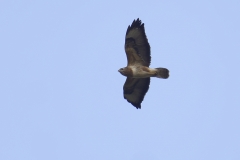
x: 137, y: 71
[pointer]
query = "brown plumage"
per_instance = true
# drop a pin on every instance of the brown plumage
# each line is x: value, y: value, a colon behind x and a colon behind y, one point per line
x: 137, y: 71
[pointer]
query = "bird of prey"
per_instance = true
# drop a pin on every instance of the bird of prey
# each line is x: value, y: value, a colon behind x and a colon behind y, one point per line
x: 137, y: 71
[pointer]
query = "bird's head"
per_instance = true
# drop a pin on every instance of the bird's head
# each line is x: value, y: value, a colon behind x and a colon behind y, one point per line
x: 121, y: 70
x: 125, y: 71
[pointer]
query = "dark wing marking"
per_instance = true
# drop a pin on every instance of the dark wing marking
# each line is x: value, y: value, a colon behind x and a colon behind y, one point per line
x: 137, y: 47
x: 135, y: 89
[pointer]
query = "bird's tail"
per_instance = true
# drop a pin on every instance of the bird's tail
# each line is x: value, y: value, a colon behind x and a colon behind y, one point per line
x: 162, y: 73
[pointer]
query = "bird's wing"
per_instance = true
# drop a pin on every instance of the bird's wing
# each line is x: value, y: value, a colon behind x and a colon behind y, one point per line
x: 135, y: 89
x: 137, y: 47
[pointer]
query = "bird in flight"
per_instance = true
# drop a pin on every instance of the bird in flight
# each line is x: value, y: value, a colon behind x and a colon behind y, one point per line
x: 137, y: 71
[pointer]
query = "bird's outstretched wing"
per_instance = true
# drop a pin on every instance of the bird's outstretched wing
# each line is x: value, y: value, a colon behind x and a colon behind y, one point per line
x: 137, y: 47
x: 135, y: 89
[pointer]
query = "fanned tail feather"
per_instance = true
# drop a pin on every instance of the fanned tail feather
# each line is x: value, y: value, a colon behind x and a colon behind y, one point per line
x: 162, y: 73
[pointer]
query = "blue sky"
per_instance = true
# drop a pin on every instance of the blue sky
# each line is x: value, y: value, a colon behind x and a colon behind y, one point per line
x: 61, y: 94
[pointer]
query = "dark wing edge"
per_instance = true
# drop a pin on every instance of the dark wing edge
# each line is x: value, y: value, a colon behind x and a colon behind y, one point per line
x: 135, y: 89
x: 136, y: 38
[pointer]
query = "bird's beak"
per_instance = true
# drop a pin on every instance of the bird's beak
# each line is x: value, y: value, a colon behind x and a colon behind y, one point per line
x: 119, y: 70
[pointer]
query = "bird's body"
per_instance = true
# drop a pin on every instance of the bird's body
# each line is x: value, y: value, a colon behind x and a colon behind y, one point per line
x: 137, y: 71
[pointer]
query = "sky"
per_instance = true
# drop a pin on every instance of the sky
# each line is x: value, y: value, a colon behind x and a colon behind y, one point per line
x: 61, y: 95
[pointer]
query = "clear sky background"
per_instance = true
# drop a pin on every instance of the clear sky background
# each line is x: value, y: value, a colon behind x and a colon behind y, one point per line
x: 61, y: 94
